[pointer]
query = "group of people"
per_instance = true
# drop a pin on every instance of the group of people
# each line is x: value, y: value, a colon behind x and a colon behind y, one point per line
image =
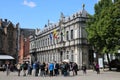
x: 47, y: 69
x: 8, y: 67
x: 50, y: 69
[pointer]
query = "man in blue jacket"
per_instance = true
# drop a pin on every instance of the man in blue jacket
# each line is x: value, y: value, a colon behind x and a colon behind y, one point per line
x: 51, y: 69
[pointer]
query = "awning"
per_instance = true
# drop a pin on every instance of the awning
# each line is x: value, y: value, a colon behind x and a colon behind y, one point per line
x: 4, y: 57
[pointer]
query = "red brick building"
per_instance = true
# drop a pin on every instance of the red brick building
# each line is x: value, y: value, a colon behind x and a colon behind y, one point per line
x: 24, y: 43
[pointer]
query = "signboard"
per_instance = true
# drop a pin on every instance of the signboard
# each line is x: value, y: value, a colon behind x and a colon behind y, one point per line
x: 100, y: 61
x: 118, y: 51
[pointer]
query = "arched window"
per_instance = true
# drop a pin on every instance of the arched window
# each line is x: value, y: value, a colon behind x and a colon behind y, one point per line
x: 67, y: 35
x: 71, y: 34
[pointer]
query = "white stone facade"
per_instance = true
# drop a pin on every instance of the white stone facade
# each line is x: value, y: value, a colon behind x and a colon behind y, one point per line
x: 71, y: 42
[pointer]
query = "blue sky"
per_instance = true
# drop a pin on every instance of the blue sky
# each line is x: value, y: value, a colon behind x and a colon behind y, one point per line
x: 35, y: 13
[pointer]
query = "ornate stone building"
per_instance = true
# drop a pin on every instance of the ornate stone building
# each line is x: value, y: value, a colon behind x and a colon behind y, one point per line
x: 66, y: 39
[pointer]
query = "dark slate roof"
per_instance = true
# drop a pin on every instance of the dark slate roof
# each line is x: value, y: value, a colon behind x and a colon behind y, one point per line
x: 27, y: 32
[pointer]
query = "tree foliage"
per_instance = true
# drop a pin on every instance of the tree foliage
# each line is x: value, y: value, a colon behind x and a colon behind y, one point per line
x: 104, y: 26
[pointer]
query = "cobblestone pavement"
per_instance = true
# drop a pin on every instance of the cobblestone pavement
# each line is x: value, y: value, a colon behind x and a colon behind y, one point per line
x: 91, y: 75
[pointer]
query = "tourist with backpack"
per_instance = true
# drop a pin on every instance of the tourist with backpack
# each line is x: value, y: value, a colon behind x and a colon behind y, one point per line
x: 25, y: 67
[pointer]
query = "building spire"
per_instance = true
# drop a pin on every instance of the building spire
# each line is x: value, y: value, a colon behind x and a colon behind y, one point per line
x: 48, y: 22
x: 83, y: 5
x: 62, y: 16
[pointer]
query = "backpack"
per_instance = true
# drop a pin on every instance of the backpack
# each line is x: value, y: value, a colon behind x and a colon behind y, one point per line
x: 25, y: 66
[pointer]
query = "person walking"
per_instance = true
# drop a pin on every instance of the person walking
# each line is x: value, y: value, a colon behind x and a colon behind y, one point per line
x: 51, y: 69
x: 65, y: 68
x: 56, y: 69
x: 46, y: 69
x: 8, y: 68
x: 19, y: 68
x: 33, y: 68
x: 97, y: 68
x: 84, y: 69
x: 25, y: 67
x: 37, y: 67
x: 29, y: 69
x: 42, y: 69
x: 75, y: 68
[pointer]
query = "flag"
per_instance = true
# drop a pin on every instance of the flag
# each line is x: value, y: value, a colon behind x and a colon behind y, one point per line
x: 50, y: 35
x: 55, y: 33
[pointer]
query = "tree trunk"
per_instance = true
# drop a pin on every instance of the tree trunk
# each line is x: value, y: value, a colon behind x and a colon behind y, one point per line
x: 108, y: 61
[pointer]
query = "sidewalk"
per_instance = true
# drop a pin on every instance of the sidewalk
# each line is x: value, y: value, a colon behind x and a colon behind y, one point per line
x: 91, y: 75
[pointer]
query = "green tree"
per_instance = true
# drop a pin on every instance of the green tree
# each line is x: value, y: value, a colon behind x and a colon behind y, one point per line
x: 104, y: 27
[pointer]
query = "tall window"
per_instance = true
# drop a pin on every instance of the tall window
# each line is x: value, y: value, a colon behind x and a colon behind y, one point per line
x: 72, y: 56
x: 67, y: 54
x: 39, y: 43
x: 71, y: 34
x: 61, y: 37
x: 67, y: 35
x: 48, y: 41
x: 43, y: 42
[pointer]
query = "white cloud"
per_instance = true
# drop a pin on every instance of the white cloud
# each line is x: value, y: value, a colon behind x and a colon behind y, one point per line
x: 30, y: 4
